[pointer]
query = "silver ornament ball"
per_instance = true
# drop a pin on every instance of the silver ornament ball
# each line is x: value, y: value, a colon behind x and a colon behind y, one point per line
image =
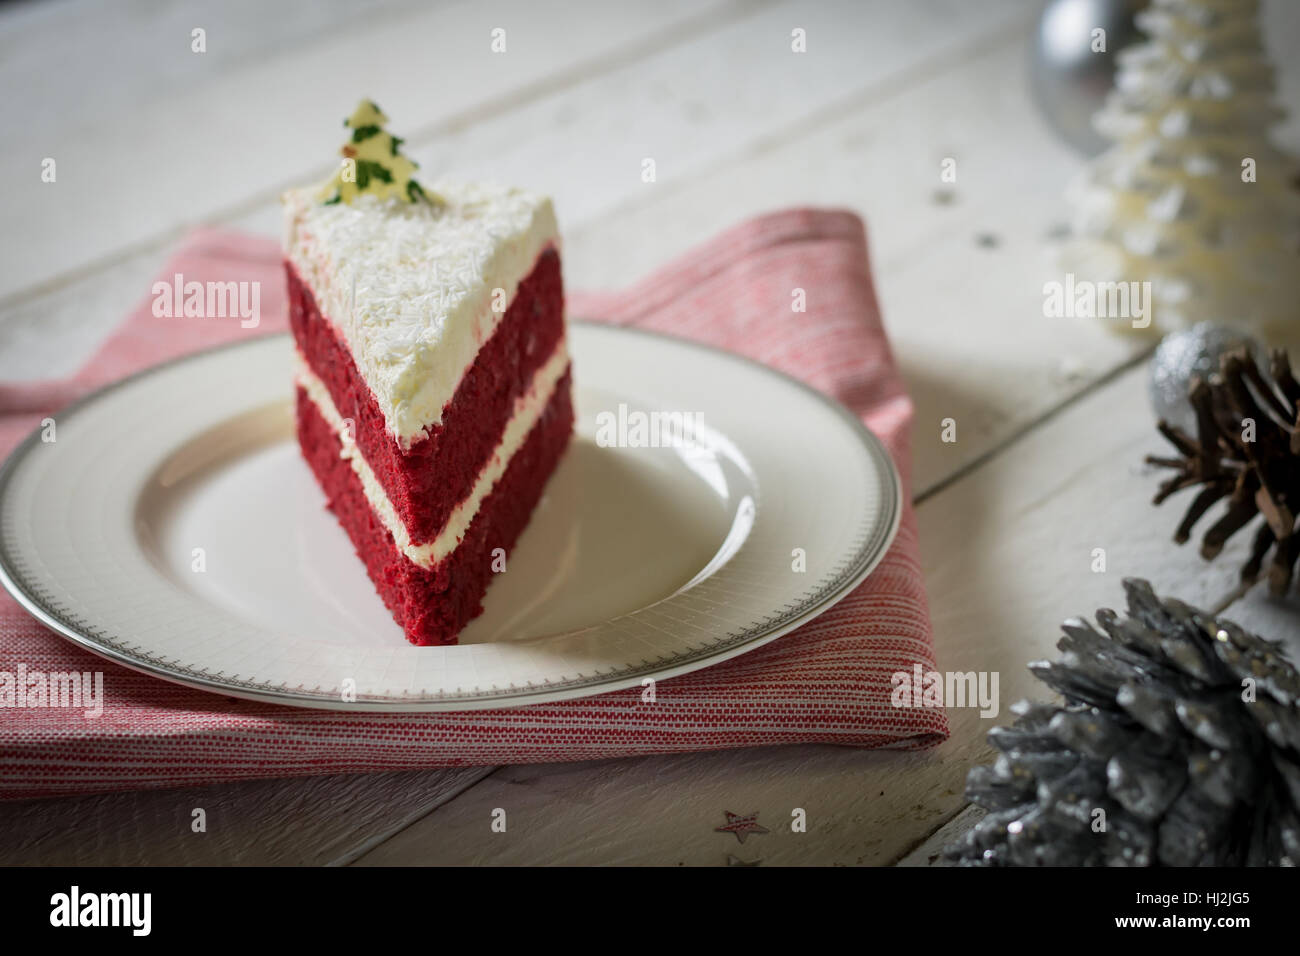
x: 1069, y: 80
x: 1182, y: 356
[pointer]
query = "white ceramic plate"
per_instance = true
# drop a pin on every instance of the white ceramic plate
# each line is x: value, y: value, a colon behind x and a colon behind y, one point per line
x: 171, y: 526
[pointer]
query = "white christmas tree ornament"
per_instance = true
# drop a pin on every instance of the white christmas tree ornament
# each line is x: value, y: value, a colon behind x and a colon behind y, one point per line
x: 1192, y: 196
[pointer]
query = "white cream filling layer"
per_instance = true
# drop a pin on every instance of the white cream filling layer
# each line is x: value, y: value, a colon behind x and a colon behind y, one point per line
x: 528, y: 409
x: 416, y: 289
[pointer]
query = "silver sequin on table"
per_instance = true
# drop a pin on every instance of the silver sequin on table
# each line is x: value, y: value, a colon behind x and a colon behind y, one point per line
x: 1182, y: 356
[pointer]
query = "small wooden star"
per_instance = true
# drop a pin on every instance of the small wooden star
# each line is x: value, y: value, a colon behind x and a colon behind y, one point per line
x: 741, y: 826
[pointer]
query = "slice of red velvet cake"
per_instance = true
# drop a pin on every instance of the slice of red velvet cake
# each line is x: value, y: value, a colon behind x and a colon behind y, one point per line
x: 433, y: 384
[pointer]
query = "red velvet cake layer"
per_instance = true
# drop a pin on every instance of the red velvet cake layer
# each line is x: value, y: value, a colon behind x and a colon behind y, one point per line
x: 427, y: 481
x: 433, y: 605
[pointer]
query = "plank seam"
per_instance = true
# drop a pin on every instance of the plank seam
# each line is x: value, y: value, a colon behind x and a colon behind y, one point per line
x: 348, y: 857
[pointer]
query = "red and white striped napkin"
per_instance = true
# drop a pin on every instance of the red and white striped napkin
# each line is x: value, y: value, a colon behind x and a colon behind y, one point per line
x: 829, y: 681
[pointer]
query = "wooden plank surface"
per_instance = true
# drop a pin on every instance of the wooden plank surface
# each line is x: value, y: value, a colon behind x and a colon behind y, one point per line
x: 65, y: 309
x: 246, y: 131
x: 1051, y: 429
x: 930, y: 852
x: 674, y: 105
x: 316, y: 821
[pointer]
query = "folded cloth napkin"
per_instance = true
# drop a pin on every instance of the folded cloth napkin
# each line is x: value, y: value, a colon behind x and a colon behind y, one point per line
x: 829, y: 681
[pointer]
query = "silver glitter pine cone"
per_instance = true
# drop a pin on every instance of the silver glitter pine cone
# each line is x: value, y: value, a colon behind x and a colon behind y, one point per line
x: 1178, y: 745
x: 1246, y: 453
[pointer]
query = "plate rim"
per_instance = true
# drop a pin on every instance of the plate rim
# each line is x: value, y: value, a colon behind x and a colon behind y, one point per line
x: 845, y: 583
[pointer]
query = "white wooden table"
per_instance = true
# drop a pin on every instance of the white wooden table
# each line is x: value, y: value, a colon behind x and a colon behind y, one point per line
x: 151, y: 139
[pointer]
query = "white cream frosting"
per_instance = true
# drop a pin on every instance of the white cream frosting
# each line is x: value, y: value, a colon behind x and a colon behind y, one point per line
x: 528, y: 409
x: 412, y: 287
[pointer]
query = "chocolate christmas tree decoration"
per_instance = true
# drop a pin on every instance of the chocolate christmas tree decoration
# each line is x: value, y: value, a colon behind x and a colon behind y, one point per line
x: 1247, y: 452
x: 1178, y: 745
